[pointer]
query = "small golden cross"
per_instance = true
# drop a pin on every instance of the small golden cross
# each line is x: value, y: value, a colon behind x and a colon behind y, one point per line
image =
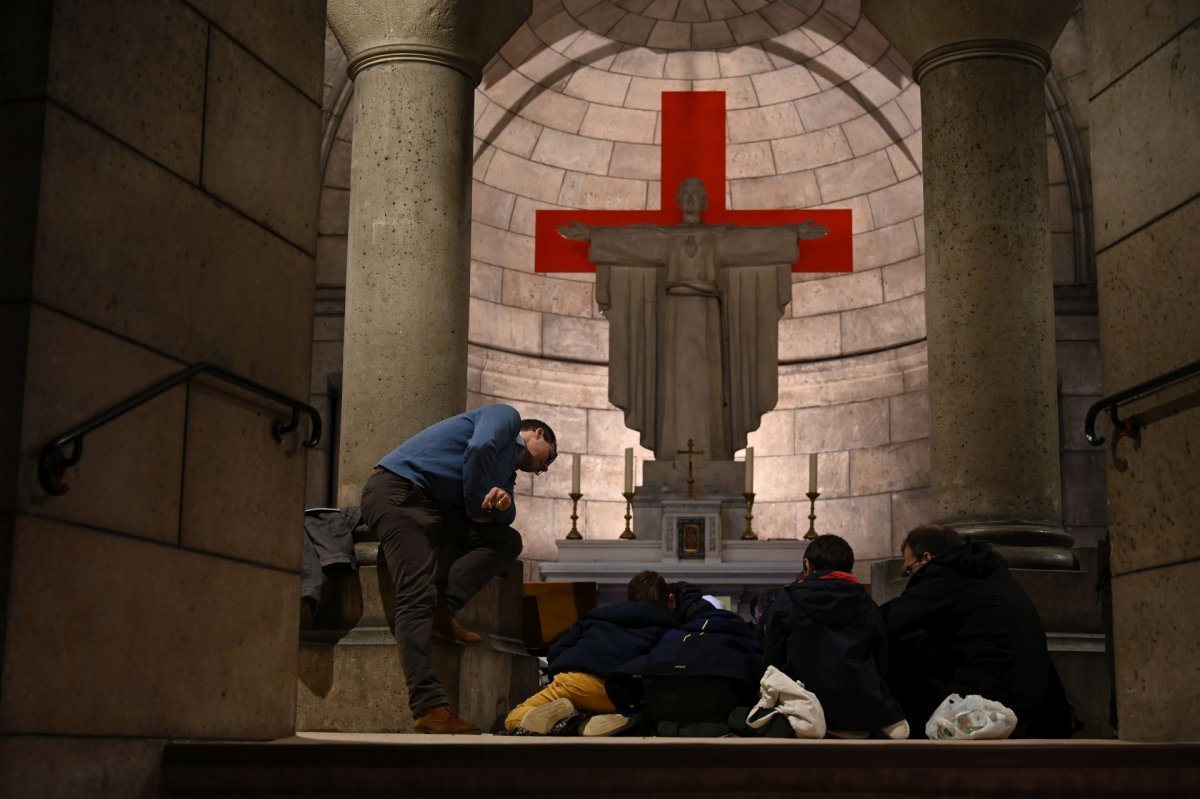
x: 691, y: 481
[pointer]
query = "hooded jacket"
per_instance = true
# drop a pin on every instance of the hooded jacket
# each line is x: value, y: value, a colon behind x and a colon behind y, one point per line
x: 983, y: 632
x: 609, y: 636
x: 827, y: 633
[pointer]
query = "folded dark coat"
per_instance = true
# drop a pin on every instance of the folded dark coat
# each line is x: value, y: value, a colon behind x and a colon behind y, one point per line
x: 609, y: 636
x: 827, y: 633
x: 328, y: 543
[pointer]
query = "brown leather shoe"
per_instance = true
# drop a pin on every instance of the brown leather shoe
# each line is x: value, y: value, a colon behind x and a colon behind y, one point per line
x: 442, y: 720
x: 445, y: 625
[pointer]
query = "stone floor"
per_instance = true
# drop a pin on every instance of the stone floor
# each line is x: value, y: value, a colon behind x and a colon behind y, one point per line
x: 340, y: 764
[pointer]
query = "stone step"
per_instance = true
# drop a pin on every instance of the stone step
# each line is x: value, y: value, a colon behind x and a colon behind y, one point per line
x: 351, y: 681
x: 1083, y: 667
x: 349, y: 668
x: 673, y: 767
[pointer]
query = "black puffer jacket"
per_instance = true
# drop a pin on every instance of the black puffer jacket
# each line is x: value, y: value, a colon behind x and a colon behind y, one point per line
x: 827, y: 633
x: 983, y: 632
x: 609, y: 636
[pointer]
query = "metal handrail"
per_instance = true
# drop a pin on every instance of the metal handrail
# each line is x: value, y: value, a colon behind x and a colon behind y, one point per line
x: 53, y: 462
x: 1136, y: 392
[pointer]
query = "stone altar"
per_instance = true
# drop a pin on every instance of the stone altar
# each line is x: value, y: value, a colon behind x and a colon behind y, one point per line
x: 718, y: 559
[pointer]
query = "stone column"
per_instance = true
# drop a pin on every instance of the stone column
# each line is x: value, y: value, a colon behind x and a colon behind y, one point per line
x: 415, y: 64
x: 989, y: 288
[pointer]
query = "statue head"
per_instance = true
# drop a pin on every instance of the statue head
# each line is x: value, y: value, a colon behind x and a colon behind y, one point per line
x: 692, y: 196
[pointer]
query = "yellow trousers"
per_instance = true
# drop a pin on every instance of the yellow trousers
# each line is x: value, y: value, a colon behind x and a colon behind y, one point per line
x: 585, y: 691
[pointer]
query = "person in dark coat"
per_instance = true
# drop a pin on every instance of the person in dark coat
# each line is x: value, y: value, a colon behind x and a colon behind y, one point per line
x: 964, y: 625
x: 688, y: 684
x: 593, y: 647
x: 826, y: 633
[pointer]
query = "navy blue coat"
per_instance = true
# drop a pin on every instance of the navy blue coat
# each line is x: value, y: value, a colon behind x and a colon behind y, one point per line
x: 710, y: 642
x: 720, y: 644
x: 825, y: 631
x: 609, y: 636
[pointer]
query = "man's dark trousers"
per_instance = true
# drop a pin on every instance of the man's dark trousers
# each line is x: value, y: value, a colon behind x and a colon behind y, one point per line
x: 411, y: 529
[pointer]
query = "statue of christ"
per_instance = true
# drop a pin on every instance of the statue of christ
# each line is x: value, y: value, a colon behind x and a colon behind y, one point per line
x: 693, y: 313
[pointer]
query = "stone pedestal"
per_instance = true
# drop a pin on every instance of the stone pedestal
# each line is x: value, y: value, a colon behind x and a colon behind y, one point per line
x: 350, y: 675
x: 989, y: 288
x: 718, y: 489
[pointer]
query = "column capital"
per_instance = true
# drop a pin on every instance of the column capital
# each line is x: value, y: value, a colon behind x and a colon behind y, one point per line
x: 932, y: 33
x: 460, y: 34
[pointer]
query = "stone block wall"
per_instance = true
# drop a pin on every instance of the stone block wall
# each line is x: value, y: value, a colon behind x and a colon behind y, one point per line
x: 1145, y: 113
x: 161, y: 210
x: 1085, y: 511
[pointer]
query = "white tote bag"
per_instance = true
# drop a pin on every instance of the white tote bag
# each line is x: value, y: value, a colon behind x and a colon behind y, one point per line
x: 781, y: 695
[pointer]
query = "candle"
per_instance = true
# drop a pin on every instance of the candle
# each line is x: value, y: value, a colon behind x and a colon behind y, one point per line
x: 629, y: 470
x: 812, y: 473
x: 575, y: 473
x: 749, y: 470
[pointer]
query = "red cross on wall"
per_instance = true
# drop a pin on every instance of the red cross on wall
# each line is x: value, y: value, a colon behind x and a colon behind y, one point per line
x: 694, y: 145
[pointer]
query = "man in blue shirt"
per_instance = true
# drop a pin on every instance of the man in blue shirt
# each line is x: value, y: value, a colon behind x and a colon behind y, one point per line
x: 450, y: 484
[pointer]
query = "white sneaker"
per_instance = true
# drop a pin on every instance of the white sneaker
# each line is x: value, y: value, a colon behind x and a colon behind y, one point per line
x: 607, y: 724
x: 543, y: 718
x: 898, y: 731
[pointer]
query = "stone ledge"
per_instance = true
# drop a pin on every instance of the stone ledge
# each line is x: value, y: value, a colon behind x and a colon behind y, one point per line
x: 671, y: 767
x: 701, y: 572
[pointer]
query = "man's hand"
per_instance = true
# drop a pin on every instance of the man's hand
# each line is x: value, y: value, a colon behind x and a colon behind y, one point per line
x: 497, y: 499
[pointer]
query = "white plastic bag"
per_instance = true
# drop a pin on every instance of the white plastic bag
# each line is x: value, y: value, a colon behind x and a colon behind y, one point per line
x: 784, y: 696
x: 970, y: 718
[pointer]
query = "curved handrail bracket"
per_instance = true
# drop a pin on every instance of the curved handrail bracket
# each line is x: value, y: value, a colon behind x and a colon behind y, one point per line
x: 52, y: 463
x: 1113, y: 402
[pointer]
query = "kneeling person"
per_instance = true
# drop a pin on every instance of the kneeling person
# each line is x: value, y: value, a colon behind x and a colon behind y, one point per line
x: 692, y: 680
x: 827, y: 633
x: 965, y: 625
x: 595, y: 645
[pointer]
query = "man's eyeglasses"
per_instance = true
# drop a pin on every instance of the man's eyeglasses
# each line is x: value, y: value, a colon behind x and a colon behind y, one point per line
x: 915, y: 566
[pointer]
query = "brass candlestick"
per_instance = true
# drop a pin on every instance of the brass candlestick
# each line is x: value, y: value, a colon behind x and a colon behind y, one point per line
x: 574, y: 535
x: 812, y: 515
x: 628, y: 534
x: 749, y: 535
